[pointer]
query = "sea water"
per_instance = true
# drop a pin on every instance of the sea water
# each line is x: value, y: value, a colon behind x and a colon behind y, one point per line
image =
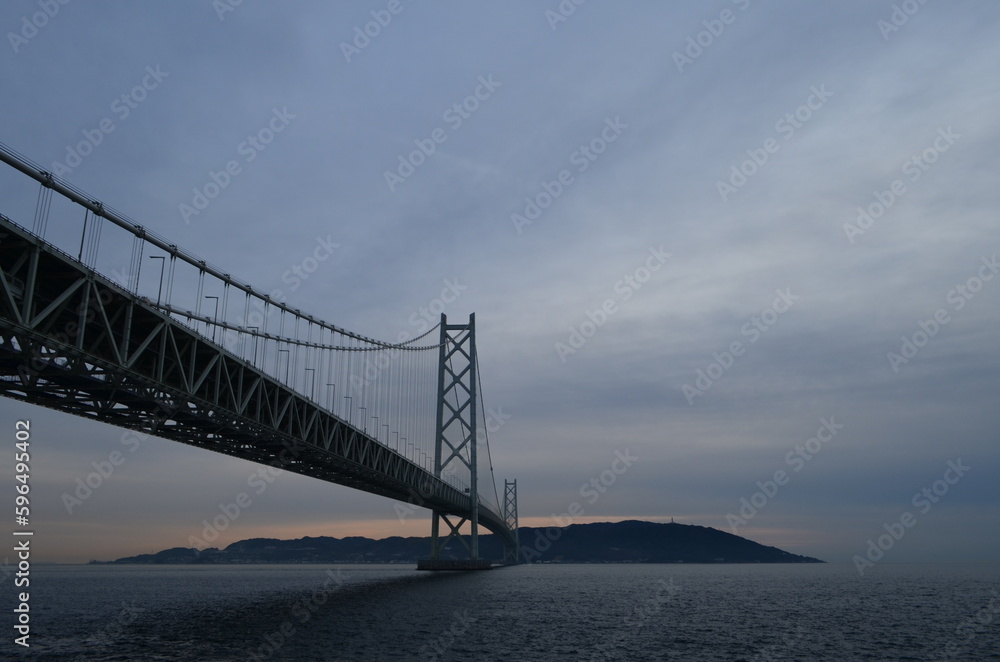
x: 530, y: 612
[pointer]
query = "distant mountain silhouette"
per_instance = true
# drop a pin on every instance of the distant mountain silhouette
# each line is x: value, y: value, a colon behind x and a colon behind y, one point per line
x: 648, y: 542
x: 622, y: 542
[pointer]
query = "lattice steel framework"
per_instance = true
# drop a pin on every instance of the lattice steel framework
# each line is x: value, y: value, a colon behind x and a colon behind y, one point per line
x: 511, y: 553
x: 455, y: 443
x: 73, y: 341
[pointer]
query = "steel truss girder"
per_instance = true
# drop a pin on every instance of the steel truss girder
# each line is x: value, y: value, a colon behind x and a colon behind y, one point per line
x: 73, y: 341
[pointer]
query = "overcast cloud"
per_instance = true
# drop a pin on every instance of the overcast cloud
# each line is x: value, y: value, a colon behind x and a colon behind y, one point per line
x: 737, y: 141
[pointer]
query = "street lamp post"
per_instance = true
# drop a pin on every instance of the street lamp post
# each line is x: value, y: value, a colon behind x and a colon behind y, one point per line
x: 163, y: 262
x: 255, y: 337
x: 288, y: 360
x: 216, y: 316
x: 312, y: 391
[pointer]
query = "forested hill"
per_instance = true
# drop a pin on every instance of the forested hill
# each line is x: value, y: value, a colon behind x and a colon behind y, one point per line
x: 620, y: 542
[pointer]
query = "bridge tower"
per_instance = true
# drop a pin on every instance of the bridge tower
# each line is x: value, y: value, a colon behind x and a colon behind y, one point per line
x: 455, y: 438
x: 511, y: 553
x: 456, y: 447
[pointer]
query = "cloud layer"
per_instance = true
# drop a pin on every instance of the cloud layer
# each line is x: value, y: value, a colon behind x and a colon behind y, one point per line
x: 821, y: 176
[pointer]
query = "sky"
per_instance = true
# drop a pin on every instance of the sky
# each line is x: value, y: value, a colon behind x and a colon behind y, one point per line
x: 749, y: 246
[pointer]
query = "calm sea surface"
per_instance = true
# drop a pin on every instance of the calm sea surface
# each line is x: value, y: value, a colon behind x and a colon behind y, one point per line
x: 537, y: 612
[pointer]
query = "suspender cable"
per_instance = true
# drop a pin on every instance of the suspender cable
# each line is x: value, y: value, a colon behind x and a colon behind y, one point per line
x: 486, y: 429
x: 42, y: 206
x: 83, y: 235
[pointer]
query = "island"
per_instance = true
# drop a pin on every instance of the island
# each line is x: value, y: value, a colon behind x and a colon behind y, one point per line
x: 606, y: 542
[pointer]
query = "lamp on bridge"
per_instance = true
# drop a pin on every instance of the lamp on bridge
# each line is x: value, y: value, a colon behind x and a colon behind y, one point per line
x: 159, y: 290
x: 312, y: 391
x: 216, y: 316
x: 288, y: 360
x: 255, y: 337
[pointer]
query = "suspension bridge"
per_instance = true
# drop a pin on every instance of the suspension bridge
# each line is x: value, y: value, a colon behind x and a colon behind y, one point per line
x: 184, y: 351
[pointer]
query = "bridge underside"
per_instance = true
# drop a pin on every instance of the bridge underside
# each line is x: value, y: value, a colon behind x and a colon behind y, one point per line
x: 73, y: 341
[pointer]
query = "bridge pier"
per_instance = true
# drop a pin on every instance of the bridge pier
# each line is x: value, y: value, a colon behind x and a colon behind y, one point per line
x: 454, y: 564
